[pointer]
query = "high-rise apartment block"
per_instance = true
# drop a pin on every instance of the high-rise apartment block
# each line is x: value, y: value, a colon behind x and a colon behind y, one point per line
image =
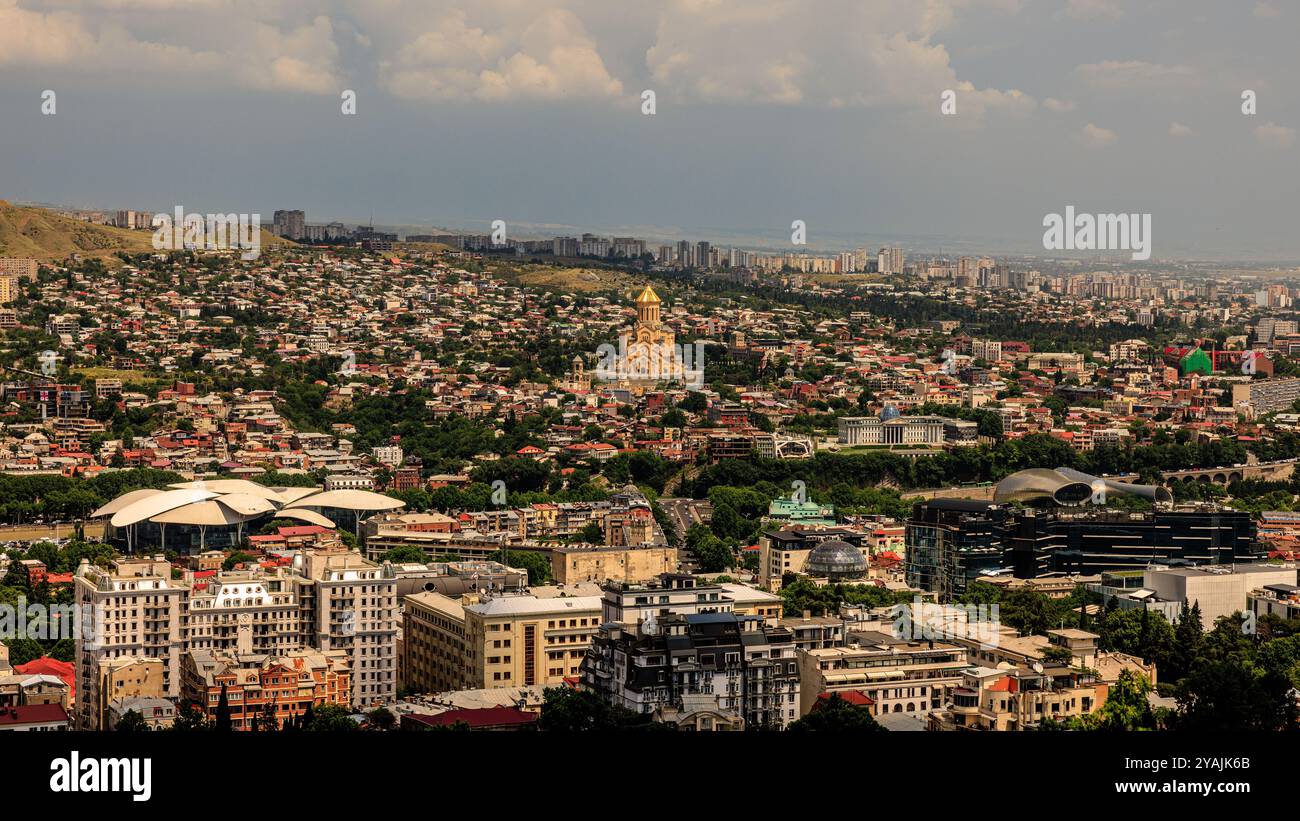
x: 290, y: 224
x: 328, y: 600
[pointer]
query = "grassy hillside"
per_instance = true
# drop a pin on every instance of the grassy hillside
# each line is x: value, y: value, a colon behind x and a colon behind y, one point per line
x: 576, y: 279
x: 43, y: 234
x: 27, y: 231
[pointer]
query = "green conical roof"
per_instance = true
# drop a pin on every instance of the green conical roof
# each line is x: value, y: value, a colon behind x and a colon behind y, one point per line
x: 1197, y: 361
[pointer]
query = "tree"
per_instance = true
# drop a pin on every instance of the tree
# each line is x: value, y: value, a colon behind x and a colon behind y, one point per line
x: 674, y: 418
x: 131, y: 722
x: 567, y: 710
x: 265, y: 721
x: 537, y: 565
x: 381, y: 718
x: 222, y: 723
x: 237, y: 557
x: 713, y: 554
x: 1139, y: 633
x: 834, y: 714
x: 1189, y: 639
x: 1027, y: 610
x: 23, y: 650
x: 405, y: 554
x: 330, y: 718
x: 1127, y: 707
x: 16, y: 577
x: 1234, y: 695
x: 591, y: 533
x: 189, y: 717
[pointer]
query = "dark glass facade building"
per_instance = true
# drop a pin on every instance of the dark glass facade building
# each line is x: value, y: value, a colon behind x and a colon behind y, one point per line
x: 952, y: 542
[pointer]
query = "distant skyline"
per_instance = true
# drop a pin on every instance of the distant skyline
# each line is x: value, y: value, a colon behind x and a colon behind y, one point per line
x: 826, y: 111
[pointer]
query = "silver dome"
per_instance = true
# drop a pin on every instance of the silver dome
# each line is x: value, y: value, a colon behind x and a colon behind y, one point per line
x: 835, y: 559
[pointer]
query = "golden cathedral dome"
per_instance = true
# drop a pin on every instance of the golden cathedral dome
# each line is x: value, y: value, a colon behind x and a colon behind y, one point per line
x: 648, y: 295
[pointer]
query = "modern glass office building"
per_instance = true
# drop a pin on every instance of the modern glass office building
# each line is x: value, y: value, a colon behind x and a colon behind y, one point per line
x: 951, y: 543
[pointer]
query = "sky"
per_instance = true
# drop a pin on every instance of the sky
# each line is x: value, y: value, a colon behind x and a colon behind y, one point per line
x: 766, y: 112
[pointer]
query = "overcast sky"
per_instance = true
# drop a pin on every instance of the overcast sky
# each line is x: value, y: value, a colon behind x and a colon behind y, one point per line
x: 530, y: 111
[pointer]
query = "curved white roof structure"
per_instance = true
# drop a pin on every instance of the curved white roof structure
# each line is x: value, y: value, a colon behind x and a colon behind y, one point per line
x: 233, y: 501
x: 302, y: 514
x: 293, y: 494
x: 246, y: 504
x: 151, y: 506
x: 225, y: 486
x: 124, y: 500
x: 349, y: 500
x: 202, y: 514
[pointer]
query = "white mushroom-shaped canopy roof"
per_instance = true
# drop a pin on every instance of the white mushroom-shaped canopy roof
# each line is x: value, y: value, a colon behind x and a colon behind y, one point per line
x: 293, y: 494
x: 156, y: 504
x: 124, y: 500
x: 246, y: 504
x: 207, y: 513
x: 349, y: 500
x: 302, y: 514
x: 225, y: 486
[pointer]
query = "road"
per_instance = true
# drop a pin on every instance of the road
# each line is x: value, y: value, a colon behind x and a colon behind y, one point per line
x: 683, y: 513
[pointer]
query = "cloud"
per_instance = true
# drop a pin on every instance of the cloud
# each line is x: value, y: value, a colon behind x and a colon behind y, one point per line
x: 548, y: 57
x: 1271, y: 133
x: 1094, y: 9
x: 1179, y: 130
x: 1097, y: 137
x: 1265, y: 11
x: 1116, y: 75
x: 1061, y: 106
x: 823, y: 54
x: 264, y: 56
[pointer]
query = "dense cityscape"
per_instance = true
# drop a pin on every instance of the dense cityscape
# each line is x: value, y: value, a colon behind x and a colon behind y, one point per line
x: 438, y: 396
x: 378, y: 486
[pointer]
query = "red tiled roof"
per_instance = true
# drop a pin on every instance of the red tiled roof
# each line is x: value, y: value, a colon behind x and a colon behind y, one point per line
x: 301, y: 530
x: 46, y: 666
x: 857, y: 697
x: 32, y: 714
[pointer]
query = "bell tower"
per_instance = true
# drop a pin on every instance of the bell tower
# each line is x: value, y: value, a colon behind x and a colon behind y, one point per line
x: 647, y: 307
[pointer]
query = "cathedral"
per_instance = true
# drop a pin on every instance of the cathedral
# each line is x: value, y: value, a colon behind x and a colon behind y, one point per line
x: 649, y: 353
